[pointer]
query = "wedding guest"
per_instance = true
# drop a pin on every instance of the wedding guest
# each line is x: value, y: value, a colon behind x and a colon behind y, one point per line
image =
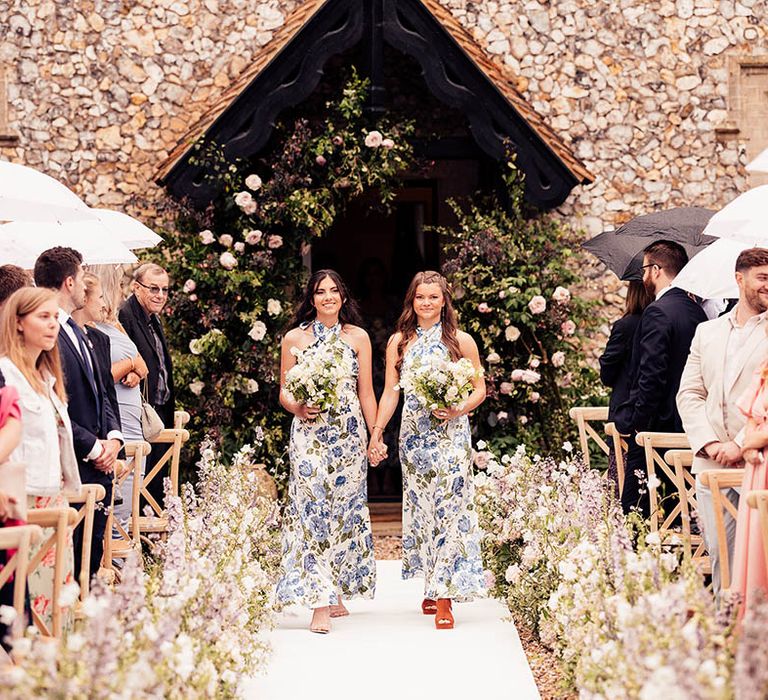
x: 127, y: 370
x: 95, y: 427
x: 617, y: 357
x: 725, y: 354
x: 140, y: 317
x: 12, y: 277
x: 29, y: 361
x: 441, y: 535
x: 327, y: 540
x: 660, y: 350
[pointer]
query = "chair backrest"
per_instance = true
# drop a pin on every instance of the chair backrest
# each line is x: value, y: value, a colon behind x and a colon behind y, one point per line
x: 19, y: 538
x: 655, y: 465
x: 180, y: 419
x: 584, y: 417
x: 619, y: 448
x: 61, y: 520
x: 759, y: 501
x: 169, y: 441
x: 717, y: 480
x: 694, y: 546
x: 86, y: 500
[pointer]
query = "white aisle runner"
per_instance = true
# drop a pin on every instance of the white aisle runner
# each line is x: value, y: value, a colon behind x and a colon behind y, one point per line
x: 387, y: 650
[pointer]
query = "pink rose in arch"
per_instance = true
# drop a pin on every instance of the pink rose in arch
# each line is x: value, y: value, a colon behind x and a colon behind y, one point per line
x: 535, y: 396
x: 558, y: 359
x: 189, y: 286
x: 253, y: 237
x: 566, y: 380
x: 483, y: 308
x: 388, y: 144
x: 274, y: 241
x: 207, y: 237
x: 507, y: 388
x: 517, y: 375
x: 320, y: 160
x: 537, y: 305
x: 568, y: 327
x: 228, y: 261
x: 226, y: 240
x: 239, y: 246
x: 561, y: 295
x: 374, y: 139
x: 482, y: 459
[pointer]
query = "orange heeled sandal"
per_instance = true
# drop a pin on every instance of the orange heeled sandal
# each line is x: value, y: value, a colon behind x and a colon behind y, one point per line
x: 428, y: 606
x: 444, y: 616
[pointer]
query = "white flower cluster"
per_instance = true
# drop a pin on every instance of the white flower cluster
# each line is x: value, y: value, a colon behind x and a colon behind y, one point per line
x: 318, y: 377
x: 439, y: 383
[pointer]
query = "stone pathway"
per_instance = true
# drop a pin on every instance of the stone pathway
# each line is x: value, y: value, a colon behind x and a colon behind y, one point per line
x: 387, y: 649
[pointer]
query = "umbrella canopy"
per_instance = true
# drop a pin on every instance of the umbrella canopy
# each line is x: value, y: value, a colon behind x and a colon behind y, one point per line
x: 759, y: 164
x: 683, y: 225
x: 623, y: 253
x: 22, y: 242
x: 129, y: 231
x: 745, y: 219
x: 711, y: 274
x: 29, y: 195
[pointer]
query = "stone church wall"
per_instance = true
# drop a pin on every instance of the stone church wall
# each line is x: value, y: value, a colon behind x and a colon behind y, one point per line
x: 660, y: 99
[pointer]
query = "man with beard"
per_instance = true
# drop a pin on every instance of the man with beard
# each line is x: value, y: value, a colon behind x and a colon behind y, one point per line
x: 725, y: 354
x: 661, y: 345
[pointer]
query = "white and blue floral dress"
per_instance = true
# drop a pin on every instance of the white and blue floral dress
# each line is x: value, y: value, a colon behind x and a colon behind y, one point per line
x: 441, y: 535
x: 327, y: 541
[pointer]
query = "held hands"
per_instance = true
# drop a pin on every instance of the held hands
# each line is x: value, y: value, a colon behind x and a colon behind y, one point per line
x: 445, y: 414
x: 727, y: 454
x: 304, y: 412
x: 131, y: 379
x: 377, y: 451
x: 105, y: 462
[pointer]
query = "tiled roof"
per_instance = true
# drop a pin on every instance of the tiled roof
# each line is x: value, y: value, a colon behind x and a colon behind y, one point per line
x: 304, y: 12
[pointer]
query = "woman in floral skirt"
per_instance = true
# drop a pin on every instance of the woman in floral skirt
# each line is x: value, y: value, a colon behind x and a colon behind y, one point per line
x: 441, y: 536
x: 327, y: 540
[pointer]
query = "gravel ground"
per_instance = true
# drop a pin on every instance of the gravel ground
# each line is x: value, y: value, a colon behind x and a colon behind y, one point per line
x: 542, y: 660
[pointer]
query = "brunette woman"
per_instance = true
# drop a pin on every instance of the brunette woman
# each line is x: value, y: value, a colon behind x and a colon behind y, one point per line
x: 441, y: 536
x: 327, y: 540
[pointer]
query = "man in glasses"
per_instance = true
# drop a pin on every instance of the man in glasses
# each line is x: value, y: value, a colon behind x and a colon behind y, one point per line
x: 140, y: 318
x: 659, y: 353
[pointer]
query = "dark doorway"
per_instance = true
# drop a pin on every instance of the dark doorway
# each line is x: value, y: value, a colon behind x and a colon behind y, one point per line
x: 377, y: 253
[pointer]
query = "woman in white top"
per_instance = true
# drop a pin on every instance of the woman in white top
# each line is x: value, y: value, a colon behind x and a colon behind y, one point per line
x: 29, y: 360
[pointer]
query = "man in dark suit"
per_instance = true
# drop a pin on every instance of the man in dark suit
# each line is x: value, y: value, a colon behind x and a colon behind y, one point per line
x: 661, y: 346
x: 140, y: 318
x: 95, y: 427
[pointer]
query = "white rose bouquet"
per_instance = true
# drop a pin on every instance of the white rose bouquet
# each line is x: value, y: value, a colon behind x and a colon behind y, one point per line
x: 439, y: 383
x: 319, y: 373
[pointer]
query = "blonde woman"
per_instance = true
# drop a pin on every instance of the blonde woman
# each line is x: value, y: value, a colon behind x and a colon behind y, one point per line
x: 29, y: 361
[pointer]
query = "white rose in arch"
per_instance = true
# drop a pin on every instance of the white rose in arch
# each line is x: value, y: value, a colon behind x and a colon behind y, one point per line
x: 561, y: 295
x: 227, y: 260
x: 253, y: 182
x: 196, y: 387
x: 568, y: 327
x: 537, y: 305
x: 374, y: 139
x: 512, y: 333
x: 535, y: 396
x: 530, y: 377
x: 207, y: 237
x: 558, y: 359
x: 243, y: 199
x: 274, y: 307
x: 493, y: 359
x: 534, y: 363
x: 194, y: 346
x: 251, y: 386
x: 258, y: 330
x: 189, y: 286
x: 226, y: 240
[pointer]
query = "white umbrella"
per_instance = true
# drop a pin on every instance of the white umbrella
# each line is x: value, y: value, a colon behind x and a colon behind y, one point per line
x: 22, y: 242
x: 129, y: 231
x: 711, y: 274
x: 744, y: 219
x: 29, y: 195
x: 759, y: 164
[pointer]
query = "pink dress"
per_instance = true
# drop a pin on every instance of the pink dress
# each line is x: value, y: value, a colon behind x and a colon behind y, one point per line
x: 749, y: 566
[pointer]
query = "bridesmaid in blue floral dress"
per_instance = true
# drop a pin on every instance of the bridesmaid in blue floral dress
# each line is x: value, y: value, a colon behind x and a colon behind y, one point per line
x: 327, y: 540
x: 441, y: 535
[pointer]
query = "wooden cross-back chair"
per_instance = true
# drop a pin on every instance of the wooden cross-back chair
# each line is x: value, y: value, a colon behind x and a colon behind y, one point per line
x: 584, y: 417
x: 180, y: 419
x: 619, y: 448
x: 86, y: 499
x: 60, y: 519
x: 21, y: 538
x: 759, y: 501
x: 717, y: 481
x: 169, y: 442
x: 656, y: 467
x: 694, y: 547
x: 120, y: 545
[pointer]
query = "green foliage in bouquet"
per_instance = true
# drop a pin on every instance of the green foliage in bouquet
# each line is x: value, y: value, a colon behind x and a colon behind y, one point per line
x: 512, y: 272
x: 238, y: 267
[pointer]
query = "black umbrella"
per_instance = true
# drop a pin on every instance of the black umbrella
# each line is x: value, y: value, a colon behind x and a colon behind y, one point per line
x: 622, y: 250
x: 623, y: 254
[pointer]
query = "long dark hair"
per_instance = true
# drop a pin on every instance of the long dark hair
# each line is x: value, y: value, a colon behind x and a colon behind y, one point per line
x: 349, y: 314
x: 406, y: 324
x: 637, y: 298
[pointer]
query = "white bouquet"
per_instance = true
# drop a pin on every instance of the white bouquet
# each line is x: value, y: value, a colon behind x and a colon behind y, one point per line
x: 439, y: 383
x: 317, y: 377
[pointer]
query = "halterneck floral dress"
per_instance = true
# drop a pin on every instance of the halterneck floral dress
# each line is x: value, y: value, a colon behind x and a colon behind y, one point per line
x: 327, y: 541
x: 441, y: 535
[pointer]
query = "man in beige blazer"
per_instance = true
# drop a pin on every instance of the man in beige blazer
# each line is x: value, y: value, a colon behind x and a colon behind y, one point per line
x: 725, y: 353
